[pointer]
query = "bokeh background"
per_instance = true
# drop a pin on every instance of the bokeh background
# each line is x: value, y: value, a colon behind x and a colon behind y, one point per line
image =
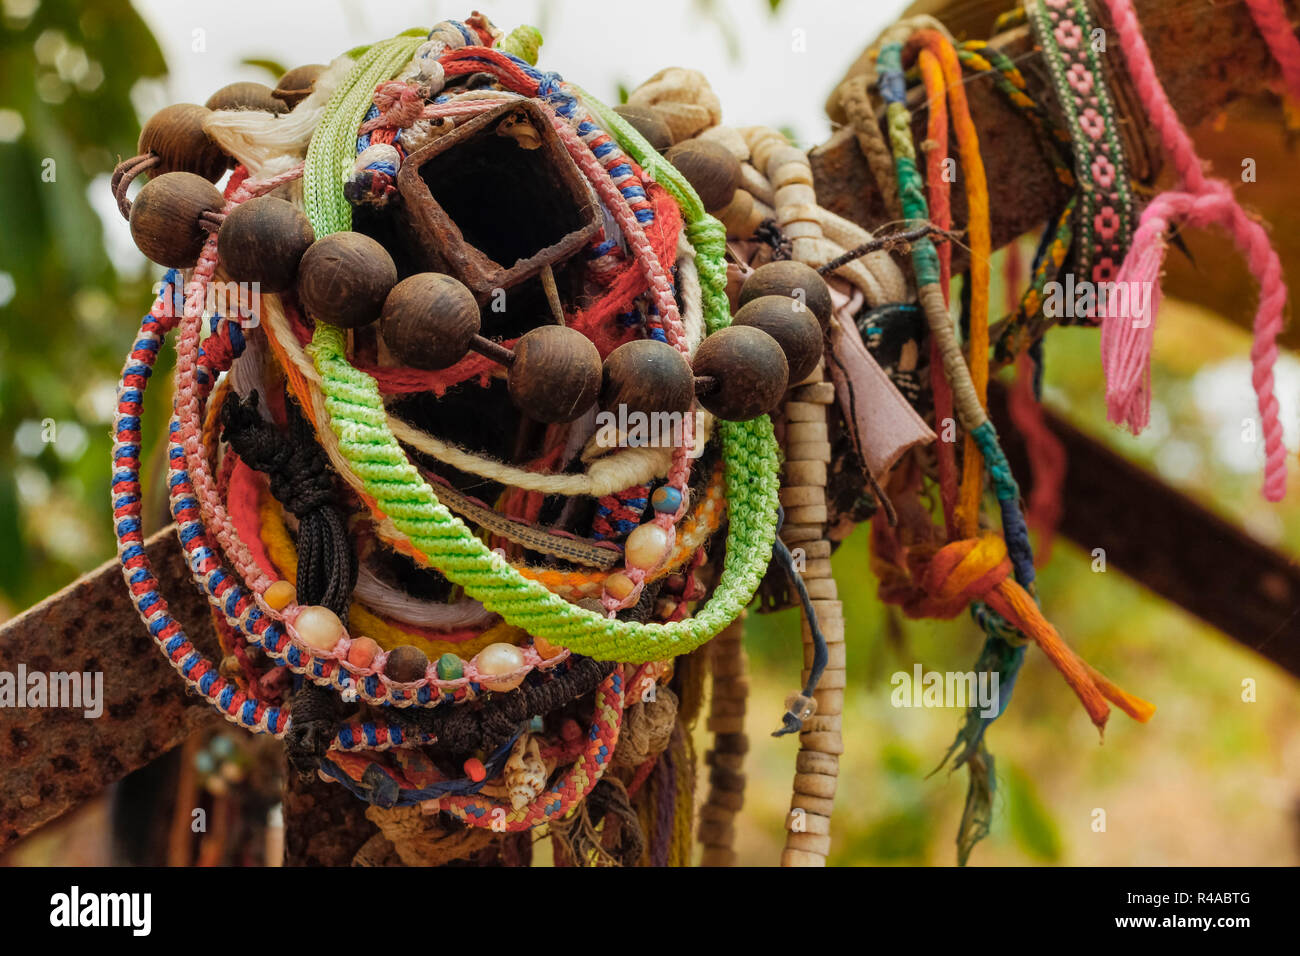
x: 1211, y: 780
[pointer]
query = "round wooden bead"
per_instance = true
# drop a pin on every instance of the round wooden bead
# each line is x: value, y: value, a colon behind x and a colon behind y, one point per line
x: 175, y: 135
x: 646, y: 547
x: 344, y: 278
x: 450, y: 667
x: 710, y: 168
x: 296, y: 85
x: 246, y: 96
x: 263, y: 241
x: 792, y: 325
x: 165, y: 218
x: 362, y: 652
x: 749, y: 371
x: 406, y: 664
x: 280, y: 595
x: 556, y: 374
x: 318, y: 627
x: 429, y: 321
x: 647, y: 376
x: 648, y: 123
x: 499, y: 658
x: 794, y: 279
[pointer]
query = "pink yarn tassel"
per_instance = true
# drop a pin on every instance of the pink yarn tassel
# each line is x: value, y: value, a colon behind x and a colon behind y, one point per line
x: 1271, y: 19
x: 1126, y: 339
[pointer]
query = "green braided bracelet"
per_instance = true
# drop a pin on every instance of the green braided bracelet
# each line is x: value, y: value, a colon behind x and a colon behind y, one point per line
x: 356, y: 415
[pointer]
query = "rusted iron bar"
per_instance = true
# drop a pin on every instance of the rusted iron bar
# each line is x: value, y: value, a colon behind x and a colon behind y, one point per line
x: 1168, y: 543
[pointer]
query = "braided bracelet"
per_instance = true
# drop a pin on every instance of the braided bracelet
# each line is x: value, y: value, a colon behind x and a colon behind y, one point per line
x: 1104, y: 215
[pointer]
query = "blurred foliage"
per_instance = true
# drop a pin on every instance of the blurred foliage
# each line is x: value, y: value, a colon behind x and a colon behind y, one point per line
x: 1210, y: 780
x: 67, y: 71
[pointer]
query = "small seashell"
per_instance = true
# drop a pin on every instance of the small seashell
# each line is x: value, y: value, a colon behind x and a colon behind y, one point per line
x: 525, y: 773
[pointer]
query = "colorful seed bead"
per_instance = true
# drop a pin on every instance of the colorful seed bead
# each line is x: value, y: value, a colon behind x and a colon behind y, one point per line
x: 545, y: 649
x: 450, y: 667
x: 499, y: 658
x: 362, y: 652
x: 318, y: 627
x: 666, y: 500
x: 646, y: 547
x: 280, y: 595
x: 475, y: 770
x: 536, y: 724
x: 619, y: 586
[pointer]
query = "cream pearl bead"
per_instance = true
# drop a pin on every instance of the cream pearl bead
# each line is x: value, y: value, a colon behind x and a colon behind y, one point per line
x: 646, y: 547
x: 318, y: 627
x: 280, y: 595
x: 499, y: 658
x: 618, y: 586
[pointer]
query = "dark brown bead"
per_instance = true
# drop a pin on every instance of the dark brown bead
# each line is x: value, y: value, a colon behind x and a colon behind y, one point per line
x: 344, y: 279
x: 793, y: 326
x: 175, y: 135
x: 296, y: 85
x: 406, y: 664
x: 555, y: 376
x: 748, y: 370
x: 647, y: 376
x: 246, y: 96
x: 794, y: 279
x: 710, y: 168
x: 263, y: 241
x: 429, y: 321
x: 165, y: 218
x: 648, y: 123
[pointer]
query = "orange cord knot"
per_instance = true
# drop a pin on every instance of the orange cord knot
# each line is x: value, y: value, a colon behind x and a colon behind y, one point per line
x: 942, y: 582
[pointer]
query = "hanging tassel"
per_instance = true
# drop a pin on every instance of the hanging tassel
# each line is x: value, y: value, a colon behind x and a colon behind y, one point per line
x: 1200, y: 201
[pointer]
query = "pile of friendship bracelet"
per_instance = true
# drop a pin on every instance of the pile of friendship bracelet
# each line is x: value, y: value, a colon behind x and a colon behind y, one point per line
x: 532, y: 397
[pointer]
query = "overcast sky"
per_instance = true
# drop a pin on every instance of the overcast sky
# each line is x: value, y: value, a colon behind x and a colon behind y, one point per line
x: 779, y: 77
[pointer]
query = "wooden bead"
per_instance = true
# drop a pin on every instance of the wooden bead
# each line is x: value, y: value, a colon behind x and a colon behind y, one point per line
x: 296, y: 85
x: 406, y: 664
x: 344, y: 278
x: 280, y: 595
x: 793, y: 326
x: 555, y: 376
x: 318, y: 627
x: 165, y: 218
x: 793, y: 279
x: 708, y: 167
x: 246, y: 96
x: 647, y: 376
x: 429, y: 321
x: 749, y: 369
x: 499, y: 658
x: 175, y: 135
x: 263, y: 241
x: 648, y: 123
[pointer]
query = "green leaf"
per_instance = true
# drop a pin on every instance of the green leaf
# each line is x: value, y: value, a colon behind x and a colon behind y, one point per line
x: 274, y: 67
